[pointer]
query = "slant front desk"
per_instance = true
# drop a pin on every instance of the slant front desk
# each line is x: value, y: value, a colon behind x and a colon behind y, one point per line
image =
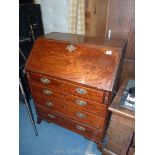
x: 72, y: 80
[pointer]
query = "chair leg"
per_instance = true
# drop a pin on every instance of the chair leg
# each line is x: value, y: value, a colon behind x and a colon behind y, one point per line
x: 28, y: 108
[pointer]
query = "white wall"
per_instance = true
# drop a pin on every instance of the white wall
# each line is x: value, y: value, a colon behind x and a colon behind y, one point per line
x: 54, y: 15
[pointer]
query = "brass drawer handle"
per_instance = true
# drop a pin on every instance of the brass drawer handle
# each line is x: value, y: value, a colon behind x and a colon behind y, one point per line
x: 80, y: 115
x: 81, y: 91
x: 45, y: 80
x: 51, y: 116
x: 47, y: 92
x: 81, y: 103
x: 71, y: 48
x: 49, y: 104
x: 80, y: 128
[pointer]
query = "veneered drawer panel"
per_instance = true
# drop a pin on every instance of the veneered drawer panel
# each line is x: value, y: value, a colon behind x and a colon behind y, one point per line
x: 44, y: 80
x: 90, y: 119
x: 66, y: 122
x: 85, y: 117
x: 43, y: 91
x: 49, y: 104
x: 82, y: 104
x: 81, y: 116
x: 82, y: 91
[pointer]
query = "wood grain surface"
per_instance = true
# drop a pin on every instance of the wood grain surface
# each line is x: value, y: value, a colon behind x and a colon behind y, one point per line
x: 72, y: 79
x: 115, y: 105
x: 96, y: 17
x: 79, y: 66
x: 121, y: 20
x: 66, y: 87
x: 66, y: 122
x: 89, y: 119
x: 119, y: 16
x: 121, y: 125
x: 90, y: 106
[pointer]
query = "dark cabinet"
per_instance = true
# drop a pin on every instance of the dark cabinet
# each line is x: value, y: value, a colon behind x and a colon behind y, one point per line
x: 30, y: 27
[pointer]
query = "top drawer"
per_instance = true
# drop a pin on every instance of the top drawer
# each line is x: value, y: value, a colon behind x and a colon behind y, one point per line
x: 64, y: 86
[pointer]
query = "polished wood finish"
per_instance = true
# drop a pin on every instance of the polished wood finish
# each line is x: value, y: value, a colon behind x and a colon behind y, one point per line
x: 96, y: 17
x: 71, y: 124
x: 118, y: 16
x: 115, y: 106
x: 128, y: 70
x: 78, y: 66
x: 119, y: 129
x: 72, y: 79
x: 85, y: 40
x: 94, y: 108
x: 121, y: 20
x: 90, y: 17
x: 65, y: 86
x: 122, y: 125
x: 88, y: 118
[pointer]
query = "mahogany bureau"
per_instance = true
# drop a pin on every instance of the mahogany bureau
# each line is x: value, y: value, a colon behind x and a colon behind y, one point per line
x: 72, y: 80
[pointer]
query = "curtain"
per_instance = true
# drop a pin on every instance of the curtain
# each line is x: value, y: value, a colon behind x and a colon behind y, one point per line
x: 76, y: 16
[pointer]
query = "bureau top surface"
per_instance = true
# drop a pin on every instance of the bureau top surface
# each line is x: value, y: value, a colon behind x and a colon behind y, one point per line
x: 91, y: 61
x: 82, y: 39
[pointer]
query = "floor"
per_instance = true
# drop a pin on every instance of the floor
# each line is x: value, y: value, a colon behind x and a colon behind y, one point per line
x: 52, y: 139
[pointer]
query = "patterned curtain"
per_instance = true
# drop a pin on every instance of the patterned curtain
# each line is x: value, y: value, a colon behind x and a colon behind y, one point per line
x: 76, y: 17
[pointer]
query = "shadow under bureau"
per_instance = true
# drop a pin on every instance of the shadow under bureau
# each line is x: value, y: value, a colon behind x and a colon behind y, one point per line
x: 72, y: 80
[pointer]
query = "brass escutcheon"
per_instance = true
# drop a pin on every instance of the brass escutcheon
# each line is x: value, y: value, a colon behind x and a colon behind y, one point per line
x: 51, y: 116
x: 81, y: 103
x: 47, y: 92
x: 81, y: 91
x: 80, y: 115
x: 45, y: 80
x: 49, y: 104
x: 80, y: 128
x: 71, y: 48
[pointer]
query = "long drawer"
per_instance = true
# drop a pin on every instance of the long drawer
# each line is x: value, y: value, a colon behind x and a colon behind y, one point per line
x: 81, y: 91
x: 71, y: 100
x: 71, y: 124
x: 79, y: 115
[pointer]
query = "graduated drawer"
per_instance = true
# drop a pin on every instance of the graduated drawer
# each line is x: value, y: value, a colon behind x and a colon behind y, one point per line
x: 87, y: 131
x: 81, y: 91
x: 71, y: 100
x: 81, y: 116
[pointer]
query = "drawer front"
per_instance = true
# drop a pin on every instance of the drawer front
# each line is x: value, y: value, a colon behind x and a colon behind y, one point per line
x: 46, y: 92
x: 87, y: 131
x: 48, y: 104
x: 81, y: 116
x: 82, y: 104
x: 63, y: 86
x: 51, y: 103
